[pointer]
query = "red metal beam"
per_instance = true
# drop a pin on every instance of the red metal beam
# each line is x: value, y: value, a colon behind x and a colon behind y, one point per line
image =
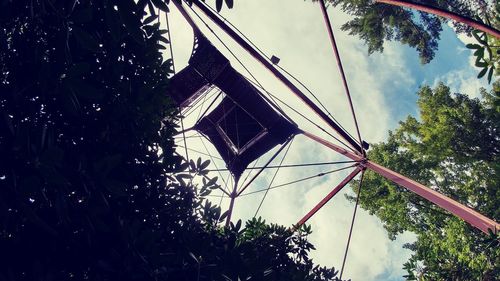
x: 347, y: 153
x: 467, y: 214
x: 269, y: 66
x: 328, y: 197
x: 339, y: 64
x: 443, y: 13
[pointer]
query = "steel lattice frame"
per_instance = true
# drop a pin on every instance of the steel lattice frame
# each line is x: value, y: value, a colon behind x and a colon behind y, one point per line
x: 469, y: 215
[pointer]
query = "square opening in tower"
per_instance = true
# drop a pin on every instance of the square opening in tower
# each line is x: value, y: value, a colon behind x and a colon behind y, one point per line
x: 239, y: 129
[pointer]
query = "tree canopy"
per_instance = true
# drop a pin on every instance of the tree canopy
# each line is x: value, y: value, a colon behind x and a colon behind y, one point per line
x: 454, y: 148
x: 90, y: 185
x: 376, y: 23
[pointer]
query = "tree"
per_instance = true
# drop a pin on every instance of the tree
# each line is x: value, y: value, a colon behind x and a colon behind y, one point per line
x: 256, y: 252
x: 376, y: 23
x: 85, y: 123
x: 454, y: 148
x: 90, y: 185
x: 487, y: 48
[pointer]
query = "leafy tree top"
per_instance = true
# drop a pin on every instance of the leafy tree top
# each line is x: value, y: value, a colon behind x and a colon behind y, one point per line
x: 453, y: 147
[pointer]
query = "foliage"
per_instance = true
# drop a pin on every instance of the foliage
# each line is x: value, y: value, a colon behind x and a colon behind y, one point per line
x: 82, y: 193
x: 454, y: 148
x: 376, y: 23
x: 487, y: 48
x: 90, y: 185
x: 218, y: 3
x: 256, y: 252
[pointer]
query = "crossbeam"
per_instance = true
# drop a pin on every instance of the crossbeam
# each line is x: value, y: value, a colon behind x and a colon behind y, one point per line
x: 329, y: 196
x: 472, y: 217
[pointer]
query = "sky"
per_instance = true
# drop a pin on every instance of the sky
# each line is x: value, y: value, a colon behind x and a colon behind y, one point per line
x: 383, y: 87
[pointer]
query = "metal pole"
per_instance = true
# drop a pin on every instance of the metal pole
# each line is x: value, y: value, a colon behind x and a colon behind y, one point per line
x: 445, y: 14
x: 328, y: 197
x: 467, y: 214
x: 269, y: 66
x: 336, y: 148
x: 231, y: 204
x: 341, y: 68
x: 352, y: 225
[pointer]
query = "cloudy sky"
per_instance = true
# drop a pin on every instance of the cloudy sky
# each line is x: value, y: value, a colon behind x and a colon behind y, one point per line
x: 383, y: 88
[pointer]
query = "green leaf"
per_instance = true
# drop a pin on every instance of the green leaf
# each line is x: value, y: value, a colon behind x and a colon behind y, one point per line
x: 205, y: 192
x: 149, y: 19
x: 224, y: 215
x: 217, y: 213
x: 164, y: 40
x: 229, y: 4
x: 151, y: 8
x: 218, y: 5
x: 478, y: 34
x: 481, y: 63
x: 183, y: 166
x: 215, y: 186
x: 205, y: 165
x: 160, y: 4
x: 479, y: 53
x: 490, y: 53
x: 141, y: 5
x: 482, y: 72
x: 212, y: 181
x: 490, y: 74
x: 183, y: 176
x: 473, y: 46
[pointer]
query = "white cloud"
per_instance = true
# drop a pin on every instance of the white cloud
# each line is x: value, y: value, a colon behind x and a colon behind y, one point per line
x: 463, y: 81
